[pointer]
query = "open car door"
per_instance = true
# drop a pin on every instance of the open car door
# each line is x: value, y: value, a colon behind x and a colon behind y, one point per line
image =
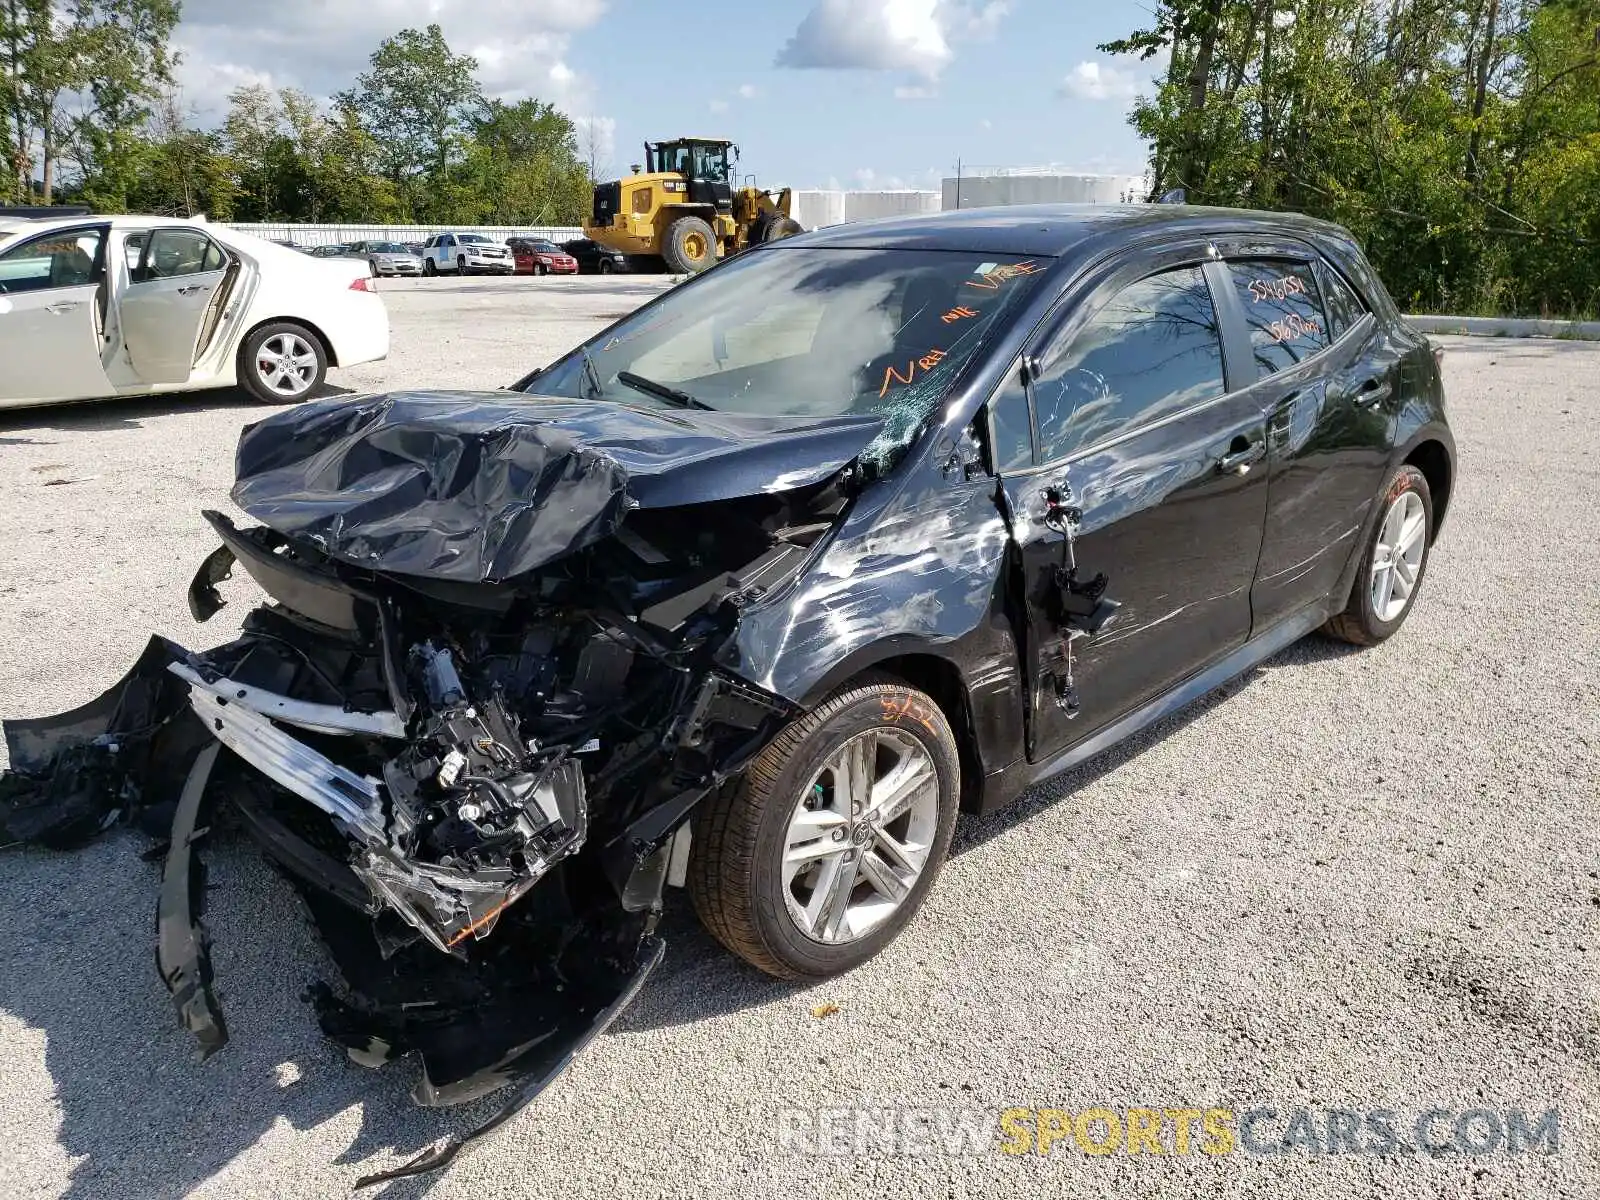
x: 167, y: 303
x: 52, y: 293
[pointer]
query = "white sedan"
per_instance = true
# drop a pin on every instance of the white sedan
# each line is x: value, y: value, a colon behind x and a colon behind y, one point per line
x: 113, y: 306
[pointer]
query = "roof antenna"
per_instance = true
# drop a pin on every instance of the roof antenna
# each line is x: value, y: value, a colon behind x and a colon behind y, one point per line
x: 1175, y: 196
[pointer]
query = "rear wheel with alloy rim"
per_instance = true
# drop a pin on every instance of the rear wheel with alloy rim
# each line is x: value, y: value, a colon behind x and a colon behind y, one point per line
x: 1392, y: 567
x: 828, y: 846
x: 282, y: 363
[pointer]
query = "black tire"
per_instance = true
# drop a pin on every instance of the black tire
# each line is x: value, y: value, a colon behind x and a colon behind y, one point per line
x: 428, y: 268
x: 1360, y: 623
x: 461, y: 265
x: 372, y: 268
x: 538, y: 269
x: 781, y: 227
x: 735, y: 868
x: 249, y: 373
x: 690, y: 246
x: 605, y: 267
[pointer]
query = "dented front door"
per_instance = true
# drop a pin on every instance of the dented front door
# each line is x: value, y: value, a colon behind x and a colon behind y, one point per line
x: 1138, y: 535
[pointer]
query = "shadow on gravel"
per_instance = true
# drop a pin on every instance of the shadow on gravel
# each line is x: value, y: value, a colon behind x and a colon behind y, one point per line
x: 139, y: 1116
x: 130, y: 412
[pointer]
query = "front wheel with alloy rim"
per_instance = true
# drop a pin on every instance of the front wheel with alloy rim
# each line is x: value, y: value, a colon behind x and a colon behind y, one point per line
x: 282, y: 363
x: 1392, y: 567
x: 829, y: 844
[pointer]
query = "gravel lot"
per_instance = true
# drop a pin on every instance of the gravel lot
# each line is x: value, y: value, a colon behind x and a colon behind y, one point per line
x: 1353, y: 880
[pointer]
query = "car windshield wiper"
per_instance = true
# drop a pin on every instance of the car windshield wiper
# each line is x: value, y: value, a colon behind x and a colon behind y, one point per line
x: 592, y: 377
x: 640, y: 384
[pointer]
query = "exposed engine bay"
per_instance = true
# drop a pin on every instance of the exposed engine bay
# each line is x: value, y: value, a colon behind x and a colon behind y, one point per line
x: 477, y: 788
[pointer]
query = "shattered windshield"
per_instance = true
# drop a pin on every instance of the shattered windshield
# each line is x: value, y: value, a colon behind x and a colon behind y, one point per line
x: 796, y: 331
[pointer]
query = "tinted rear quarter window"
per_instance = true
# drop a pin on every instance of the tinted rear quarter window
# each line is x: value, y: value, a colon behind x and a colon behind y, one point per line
x: 1340, y: 301
x: 1282, y: 310
x: 1153, y: 350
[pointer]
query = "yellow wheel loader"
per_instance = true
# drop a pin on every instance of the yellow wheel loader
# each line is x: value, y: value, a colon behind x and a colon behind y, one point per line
x: 683, y: 207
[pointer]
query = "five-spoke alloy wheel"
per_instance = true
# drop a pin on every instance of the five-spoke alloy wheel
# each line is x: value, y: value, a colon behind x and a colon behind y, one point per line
x: 282, y: 363
x: 826, y: 848
x: 1392, y: 567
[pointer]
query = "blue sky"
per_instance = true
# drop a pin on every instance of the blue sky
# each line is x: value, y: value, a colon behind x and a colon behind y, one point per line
x: 818, y: 93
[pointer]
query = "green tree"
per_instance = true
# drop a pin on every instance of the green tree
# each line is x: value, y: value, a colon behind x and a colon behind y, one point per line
x: 1456, y: 137
x: 78, y: 79
x: 417, y: 102
x: 522, y: 167
x: 182, y: 172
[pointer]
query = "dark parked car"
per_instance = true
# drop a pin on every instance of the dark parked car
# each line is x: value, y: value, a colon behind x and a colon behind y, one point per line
x: 595, y: 259
x: 336, y: 250
x: 540, y: 256
x: 752, y: 592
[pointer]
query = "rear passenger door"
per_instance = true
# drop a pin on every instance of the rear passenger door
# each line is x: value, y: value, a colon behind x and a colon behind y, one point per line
x: 166, y: 305
x: 1129, y: 458
x: 1327, y: 386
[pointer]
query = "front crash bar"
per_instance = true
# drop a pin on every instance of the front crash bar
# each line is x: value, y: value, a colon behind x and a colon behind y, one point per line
x: 538, y: 1069
x: 319, y: 718
x: 348, y: 798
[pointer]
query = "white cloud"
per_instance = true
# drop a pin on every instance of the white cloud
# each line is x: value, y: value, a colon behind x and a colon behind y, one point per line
x: 888, y: 35
x: 985, y: 123
x: 320, y: 47
x: 917, y: 92
x: 718, y: 106
x: 747, y: 91
x: 1100, y: 81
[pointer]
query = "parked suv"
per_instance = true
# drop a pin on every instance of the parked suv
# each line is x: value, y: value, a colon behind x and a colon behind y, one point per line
x: 466, y: 254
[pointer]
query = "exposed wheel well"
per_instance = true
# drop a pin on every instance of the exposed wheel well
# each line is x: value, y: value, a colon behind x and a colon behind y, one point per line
x: 1434, y: 462
x: 941, y: 680
x: 327, y: 346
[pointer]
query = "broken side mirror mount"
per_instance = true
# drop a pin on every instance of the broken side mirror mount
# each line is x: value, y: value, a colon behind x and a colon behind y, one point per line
x: 962, y: 454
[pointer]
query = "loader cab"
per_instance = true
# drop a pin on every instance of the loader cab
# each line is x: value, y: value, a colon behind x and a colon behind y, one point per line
x: 706, y: 164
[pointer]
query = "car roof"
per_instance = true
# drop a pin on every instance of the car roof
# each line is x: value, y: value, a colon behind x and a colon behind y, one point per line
x: 1052, y: 229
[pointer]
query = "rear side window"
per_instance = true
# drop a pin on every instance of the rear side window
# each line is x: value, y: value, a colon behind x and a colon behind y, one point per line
x: 1339, y: 300
x: 1154, y: 350
x: 1282, y: 310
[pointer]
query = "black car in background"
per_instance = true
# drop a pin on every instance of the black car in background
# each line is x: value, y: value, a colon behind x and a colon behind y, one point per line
x: 752, y: 592
x: 595, y: 259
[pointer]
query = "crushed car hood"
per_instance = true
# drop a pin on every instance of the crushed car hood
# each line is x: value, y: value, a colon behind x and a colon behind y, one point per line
x: 483, y: 486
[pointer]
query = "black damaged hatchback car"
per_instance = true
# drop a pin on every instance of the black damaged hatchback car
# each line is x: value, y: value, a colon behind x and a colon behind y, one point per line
x: 751, y: 593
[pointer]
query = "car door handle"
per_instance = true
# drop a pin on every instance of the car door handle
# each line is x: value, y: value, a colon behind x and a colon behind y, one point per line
x: 1372, y: 393
x: 64, y: 306
x: 1240, y: 459
x: 193, y: 288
